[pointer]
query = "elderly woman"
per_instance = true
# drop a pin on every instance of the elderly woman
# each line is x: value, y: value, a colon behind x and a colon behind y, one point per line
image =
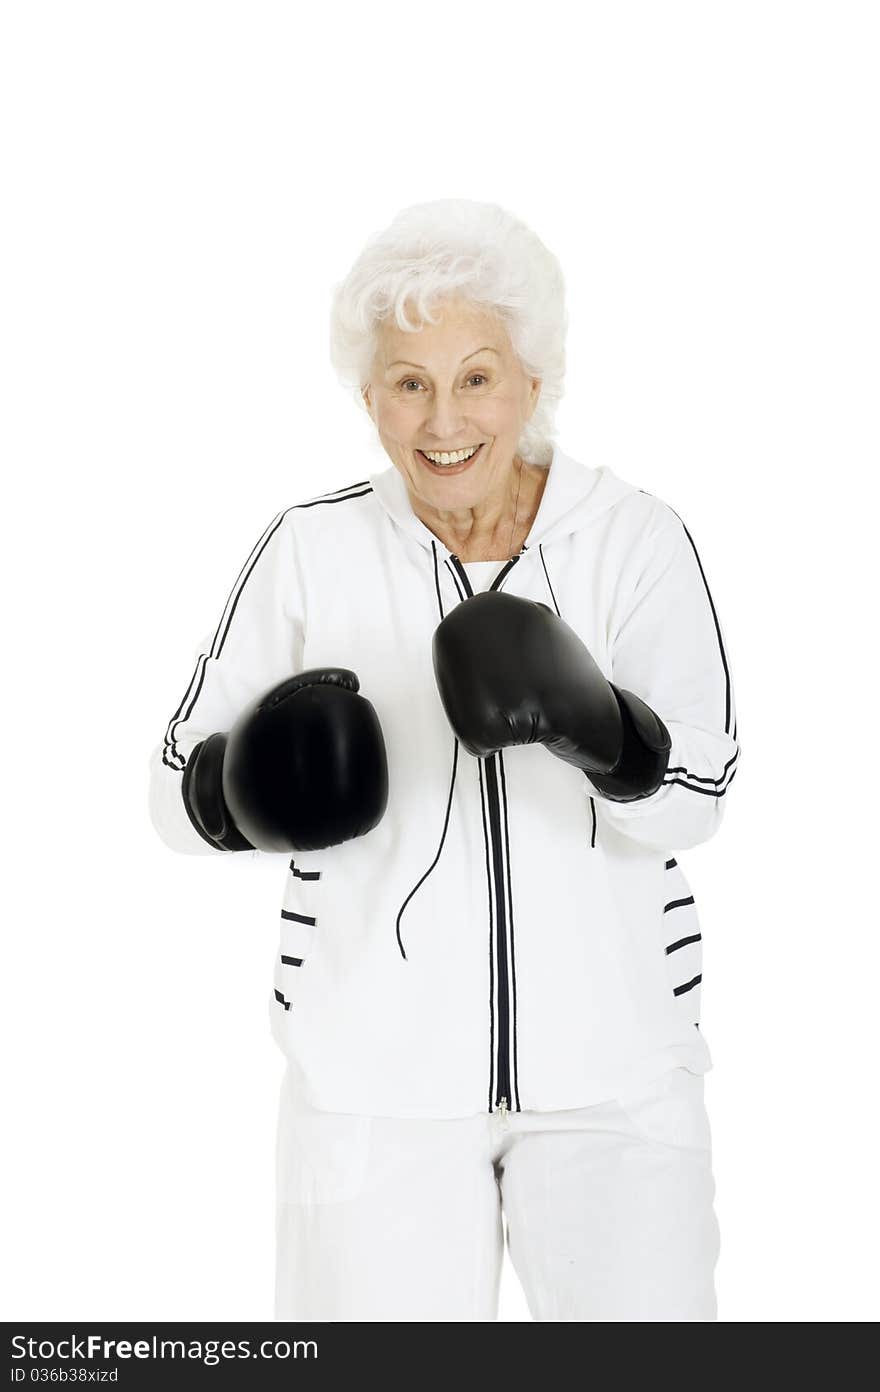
x: 480, y: 701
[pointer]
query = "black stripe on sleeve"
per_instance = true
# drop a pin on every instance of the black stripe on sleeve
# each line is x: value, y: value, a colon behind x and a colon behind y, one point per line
x: 688, y: 986
x: 684, y: 942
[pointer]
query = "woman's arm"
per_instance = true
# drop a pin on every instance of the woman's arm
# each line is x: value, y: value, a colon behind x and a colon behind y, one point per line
x: 667, y: 647
x: 257, y: 643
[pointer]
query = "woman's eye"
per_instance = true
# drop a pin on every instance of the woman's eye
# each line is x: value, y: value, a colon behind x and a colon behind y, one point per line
x: 414, y: 382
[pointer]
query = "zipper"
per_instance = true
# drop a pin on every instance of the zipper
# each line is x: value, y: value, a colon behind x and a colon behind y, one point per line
x: 502, y: 1087
x: 501, y: 1062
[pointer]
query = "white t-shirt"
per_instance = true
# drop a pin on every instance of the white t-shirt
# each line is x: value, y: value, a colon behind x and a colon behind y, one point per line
x: 482, y: 573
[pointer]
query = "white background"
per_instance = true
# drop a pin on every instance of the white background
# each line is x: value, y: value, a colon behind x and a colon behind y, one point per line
x: 183, y: 184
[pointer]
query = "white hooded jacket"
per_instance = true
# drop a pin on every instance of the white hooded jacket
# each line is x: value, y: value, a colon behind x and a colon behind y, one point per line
x: 506, y: 937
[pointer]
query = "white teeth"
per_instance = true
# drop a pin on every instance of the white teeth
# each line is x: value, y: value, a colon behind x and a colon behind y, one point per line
x: 455, y: 457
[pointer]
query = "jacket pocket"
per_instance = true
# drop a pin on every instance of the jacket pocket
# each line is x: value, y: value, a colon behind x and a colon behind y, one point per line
x: 298, y: 931
x: 682, y: 942
x: 670, y: 1111
x: 320, y: 1157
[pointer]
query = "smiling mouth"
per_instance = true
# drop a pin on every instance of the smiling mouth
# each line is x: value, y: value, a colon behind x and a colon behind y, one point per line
x: 449, y: 465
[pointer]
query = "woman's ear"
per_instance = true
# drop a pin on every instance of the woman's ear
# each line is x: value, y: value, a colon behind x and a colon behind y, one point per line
x: 365, y: 394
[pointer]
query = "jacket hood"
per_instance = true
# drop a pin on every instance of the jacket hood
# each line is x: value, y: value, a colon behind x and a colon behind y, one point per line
x: 574, y: 495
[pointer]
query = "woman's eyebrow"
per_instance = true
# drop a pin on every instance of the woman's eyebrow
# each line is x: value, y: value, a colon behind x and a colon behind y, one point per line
x: 405, y: 362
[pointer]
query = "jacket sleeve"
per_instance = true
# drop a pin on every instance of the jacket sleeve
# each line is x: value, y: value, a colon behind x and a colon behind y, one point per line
x: 667, y: 647
x: 257, y: 643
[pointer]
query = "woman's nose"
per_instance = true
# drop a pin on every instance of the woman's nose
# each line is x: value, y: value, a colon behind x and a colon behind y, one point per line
x: 445, y: 419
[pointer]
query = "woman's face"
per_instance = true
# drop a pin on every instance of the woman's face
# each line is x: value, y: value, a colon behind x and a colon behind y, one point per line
x: 448, y: 387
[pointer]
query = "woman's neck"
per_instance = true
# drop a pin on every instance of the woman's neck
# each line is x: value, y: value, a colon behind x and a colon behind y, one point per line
x: 507, y: 534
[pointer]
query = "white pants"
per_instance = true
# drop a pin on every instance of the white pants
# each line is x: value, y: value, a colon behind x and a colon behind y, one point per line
x: 609, y: 1211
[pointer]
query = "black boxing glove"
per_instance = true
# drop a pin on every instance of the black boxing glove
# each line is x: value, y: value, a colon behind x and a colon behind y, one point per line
x: 203, y: 798
x: 303, y: 767
x: 510, y: 671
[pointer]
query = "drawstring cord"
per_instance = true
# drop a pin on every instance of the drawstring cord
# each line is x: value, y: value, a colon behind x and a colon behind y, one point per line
x: 436, y: 858
x: 451, y: 785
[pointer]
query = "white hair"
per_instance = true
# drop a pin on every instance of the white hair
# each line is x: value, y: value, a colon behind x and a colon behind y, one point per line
x: 455, y: 247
